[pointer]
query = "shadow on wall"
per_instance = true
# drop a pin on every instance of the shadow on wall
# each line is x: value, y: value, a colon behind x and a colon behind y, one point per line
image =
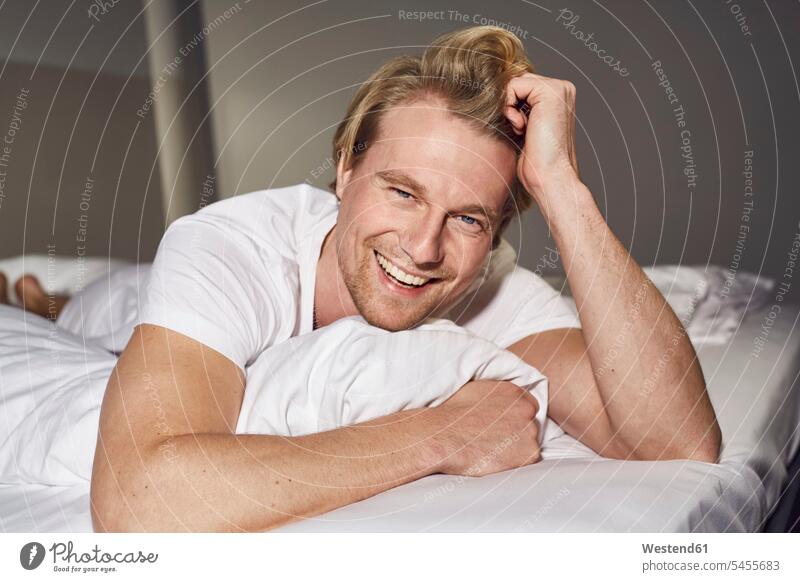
x: 63, y: 185
x: 78, y: 164
x: 282, y: 75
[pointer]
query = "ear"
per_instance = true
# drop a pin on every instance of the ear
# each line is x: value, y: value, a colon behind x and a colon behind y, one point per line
x: 342, y: 177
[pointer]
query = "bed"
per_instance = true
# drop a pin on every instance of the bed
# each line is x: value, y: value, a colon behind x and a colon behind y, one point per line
x: 758, y: 406
x: 755, y: 393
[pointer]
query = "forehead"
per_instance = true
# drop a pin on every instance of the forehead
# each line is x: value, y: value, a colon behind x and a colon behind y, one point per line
x: 454, y: 161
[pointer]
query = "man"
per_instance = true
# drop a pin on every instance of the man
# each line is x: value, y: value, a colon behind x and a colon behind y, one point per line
x: 435, y: 156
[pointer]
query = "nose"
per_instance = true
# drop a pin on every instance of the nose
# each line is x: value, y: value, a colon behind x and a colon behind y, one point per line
x: 422, y: 238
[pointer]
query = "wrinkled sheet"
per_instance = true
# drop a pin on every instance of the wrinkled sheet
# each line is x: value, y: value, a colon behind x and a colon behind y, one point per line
x: 52, y: 386
x: 757, y: 399
x: 758, y: 404
x: 754, y: 392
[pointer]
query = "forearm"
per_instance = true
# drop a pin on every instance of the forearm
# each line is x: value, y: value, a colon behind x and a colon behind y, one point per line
x: 223, y: 482
x: 644, y: 365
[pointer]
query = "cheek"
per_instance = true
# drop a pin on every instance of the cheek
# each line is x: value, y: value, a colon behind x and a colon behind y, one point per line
x: 468, y: 258
x: 368, y: 216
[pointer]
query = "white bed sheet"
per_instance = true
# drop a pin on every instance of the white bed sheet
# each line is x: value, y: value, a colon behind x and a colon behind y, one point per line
x: 42, y: 508
x: 759, y: 417
x: 758, y: 412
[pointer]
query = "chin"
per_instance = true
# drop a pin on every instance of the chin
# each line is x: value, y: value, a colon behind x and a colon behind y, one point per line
x: 390, y: 324
x: 378, y: 316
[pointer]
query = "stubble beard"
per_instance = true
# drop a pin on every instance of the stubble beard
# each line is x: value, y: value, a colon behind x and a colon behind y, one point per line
x: 377, y: 307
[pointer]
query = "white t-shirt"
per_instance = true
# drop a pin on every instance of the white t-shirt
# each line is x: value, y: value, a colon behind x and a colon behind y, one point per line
x: 238, y: 276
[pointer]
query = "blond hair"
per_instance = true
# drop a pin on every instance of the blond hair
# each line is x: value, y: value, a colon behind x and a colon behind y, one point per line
x: 469, y: 69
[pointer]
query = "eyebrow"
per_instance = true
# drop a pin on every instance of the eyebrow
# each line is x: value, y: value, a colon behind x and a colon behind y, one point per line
x: 398, y: 177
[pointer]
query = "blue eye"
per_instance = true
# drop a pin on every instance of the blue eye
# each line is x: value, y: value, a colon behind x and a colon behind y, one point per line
x: 402, y: 193
x: 470, y: 224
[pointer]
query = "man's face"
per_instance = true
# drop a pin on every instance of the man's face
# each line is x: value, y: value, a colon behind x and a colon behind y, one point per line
x: 418, y: 214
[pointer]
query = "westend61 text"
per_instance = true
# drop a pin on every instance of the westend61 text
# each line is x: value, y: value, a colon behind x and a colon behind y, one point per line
x: 670, y: 549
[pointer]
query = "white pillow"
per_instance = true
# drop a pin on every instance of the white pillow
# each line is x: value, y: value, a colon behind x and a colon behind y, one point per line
x: 58, y: 274
x: 350, y: 372
x: 683, y: 287
x: 52, y: 385
x: 106, y: 311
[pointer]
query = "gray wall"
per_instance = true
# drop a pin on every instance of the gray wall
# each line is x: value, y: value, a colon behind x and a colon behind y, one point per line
x: 281, y: 77
x: 80, y: 81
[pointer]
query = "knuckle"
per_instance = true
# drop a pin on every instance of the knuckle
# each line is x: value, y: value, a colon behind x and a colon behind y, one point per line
x: 511, y: 388
x: 532, y: 435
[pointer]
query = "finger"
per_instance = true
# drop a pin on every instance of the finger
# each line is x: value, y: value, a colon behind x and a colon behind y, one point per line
x: 511, y: 96
x: 533, y: 433
x: 523, y: 393
x: 519, y: 89
x: 517, y: 119
x: 535, y: 402
x: 524, y: 88
x: 521, y: 96
x: 511, y: 111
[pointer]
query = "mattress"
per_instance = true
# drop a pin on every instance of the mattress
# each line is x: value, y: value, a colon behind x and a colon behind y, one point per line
x: 757, y: 399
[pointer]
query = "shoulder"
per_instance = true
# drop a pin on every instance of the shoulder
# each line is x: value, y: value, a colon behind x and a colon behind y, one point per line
x: 272, y: 219
x: 229, y: 275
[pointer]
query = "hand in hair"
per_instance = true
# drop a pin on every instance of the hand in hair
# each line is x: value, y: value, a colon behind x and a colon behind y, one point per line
x: 548, y: 159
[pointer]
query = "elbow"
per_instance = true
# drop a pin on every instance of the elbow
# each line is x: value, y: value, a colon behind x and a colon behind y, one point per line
x: 108, y: 508
x: 104, y: 521
x: 119, y: 500
x: 705, y: 457
x: 104, y: 495
x: 113, y: 505
x: 708, y: 449
x: 707, y: 445
x: 705, y: 449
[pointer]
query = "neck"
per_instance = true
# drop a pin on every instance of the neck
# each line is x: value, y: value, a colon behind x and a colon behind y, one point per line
x: 332, y: 300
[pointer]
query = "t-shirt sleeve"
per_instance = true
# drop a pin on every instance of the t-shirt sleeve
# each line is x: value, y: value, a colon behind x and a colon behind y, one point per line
x: 538, y: 308
x: 511, y: 303
x: 215, y: 285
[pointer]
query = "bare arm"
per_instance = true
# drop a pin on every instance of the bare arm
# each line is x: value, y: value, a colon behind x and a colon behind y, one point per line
x: 651, y: 400
x: 167, y: 460
x: 644, y: 365
x: 632, y: 371
x: 576, y: 402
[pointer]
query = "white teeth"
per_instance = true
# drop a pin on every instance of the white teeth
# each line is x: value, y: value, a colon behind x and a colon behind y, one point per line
x: 399, y: 274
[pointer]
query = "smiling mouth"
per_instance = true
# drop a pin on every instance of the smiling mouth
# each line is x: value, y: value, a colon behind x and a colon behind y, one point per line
x: 399, y: 276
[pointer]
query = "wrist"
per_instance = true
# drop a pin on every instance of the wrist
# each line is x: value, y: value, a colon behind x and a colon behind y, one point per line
x: 436, y: 443
x: 564, y: 199
x: 540, y: 179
